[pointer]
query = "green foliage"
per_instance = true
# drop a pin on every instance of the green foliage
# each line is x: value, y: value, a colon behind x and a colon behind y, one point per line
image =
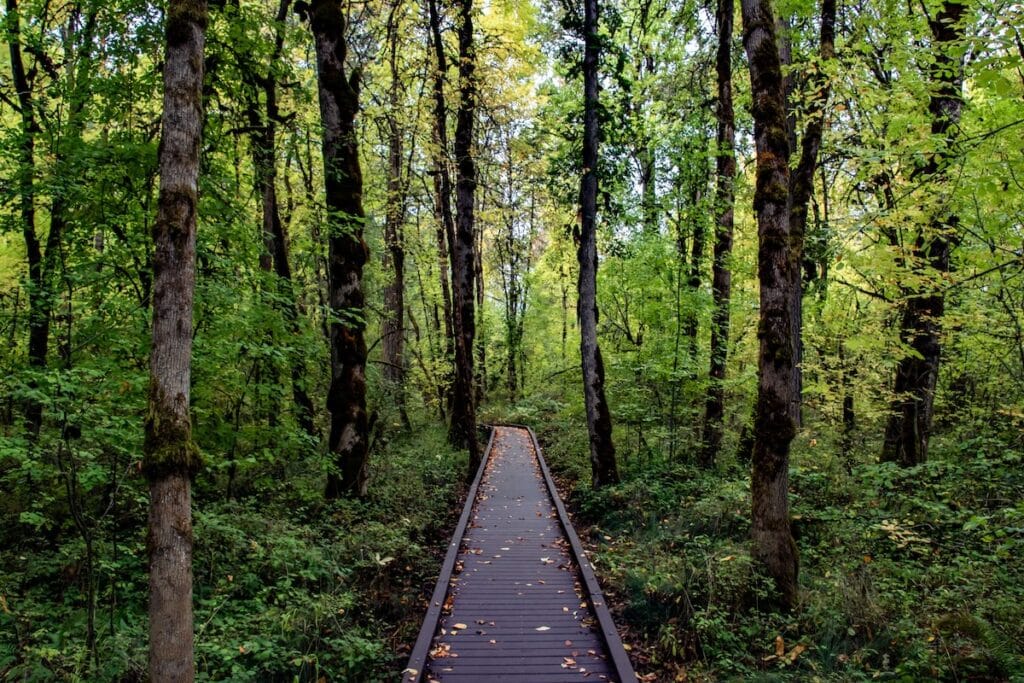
x: 906, y: 574
x: 285, y: 586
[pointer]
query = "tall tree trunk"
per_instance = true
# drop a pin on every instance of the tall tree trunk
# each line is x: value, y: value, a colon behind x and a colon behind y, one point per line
x: 170, y: 457
x: 604, y: 469
x: 721, y: 286
x: 462, y: 428
x: 393, y: 326
x: 801, y: 184
x: 347, y: 252
x: 774, y: 427
x: 443, y: 190
x: 910, y: 423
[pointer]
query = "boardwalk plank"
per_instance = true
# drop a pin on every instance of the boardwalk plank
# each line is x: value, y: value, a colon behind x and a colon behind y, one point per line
x: 519, y: 607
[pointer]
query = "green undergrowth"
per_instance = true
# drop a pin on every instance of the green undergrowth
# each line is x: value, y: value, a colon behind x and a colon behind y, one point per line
x: 287, y: 587
x: 906, y: 575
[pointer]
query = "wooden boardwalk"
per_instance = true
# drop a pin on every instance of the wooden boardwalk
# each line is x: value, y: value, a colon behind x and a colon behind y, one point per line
x: 517, y: 599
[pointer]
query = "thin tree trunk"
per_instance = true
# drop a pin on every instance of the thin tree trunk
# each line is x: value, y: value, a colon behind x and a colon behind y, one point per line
x: 694, y: 272
x: 393, y: 326
x: 801, y: 186
x: 43, y: 263
x: 721, y: 287
x: 604, y: 469
x: 170, y: 457
x: 347, y: 253
x: 443, y: 192
x: 462, y: 428
x: 910, y: 423
x: 38, y: 317
x: 275, y: 253
x: 773, y: 545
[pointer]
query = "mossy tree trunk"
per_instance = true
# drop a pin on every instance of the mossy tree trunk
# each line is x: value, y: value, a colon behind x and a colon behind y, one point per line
x: 910, y: 422
x: 774, y: 425
x: 347, y: 252
x: 462, y: 428
x: 170, y: 457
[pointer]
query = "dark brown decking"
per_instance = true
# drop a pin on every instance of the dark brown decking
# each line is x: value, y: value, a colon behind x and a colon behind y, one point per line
x: 517, y: 599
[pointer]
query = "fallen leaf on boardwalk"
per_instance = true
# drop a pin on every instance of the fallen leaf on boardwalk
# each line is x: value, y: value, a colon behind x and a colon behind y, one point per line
x: 460, y: 626
x: 567, y: 662
x: 568, y: 643
x: 542, y: 628
x: 780, y: 646
x: 492, y: 642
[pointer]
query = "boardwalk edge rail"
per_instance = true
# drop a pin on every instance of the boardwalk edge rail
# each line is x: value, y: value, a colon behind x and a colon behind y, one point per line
x: 413, y: 672
x: 616, y: 652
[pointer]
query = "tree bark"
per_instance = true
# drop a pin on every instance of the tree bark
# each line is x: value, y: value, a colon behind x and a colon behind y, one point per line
x: 347, y: 252
x: 721, y: 285
x: 443, y: 191
x: 604, y: 469
x: 462, y: 428
x: 170, y: 457
x: 910, y: 422
x: 773, y: 545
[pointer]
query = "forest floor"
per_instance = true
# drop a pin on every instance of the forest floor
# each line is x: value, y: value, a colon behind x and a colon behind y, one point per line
x: 905, y: 574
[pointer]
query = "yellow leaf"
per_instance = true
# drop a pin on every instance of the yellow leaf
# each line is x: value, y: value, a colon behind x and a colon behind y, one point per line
x: 780, y: 646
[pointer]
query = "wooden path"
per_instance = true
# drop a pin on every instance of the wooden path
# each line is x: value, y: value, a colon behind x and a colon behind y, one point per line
x: 517, y: 599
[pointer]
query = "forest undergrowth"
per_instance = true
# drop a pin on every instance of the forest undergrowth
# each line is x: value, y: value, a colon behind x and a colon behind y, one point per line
x: 287, y: 587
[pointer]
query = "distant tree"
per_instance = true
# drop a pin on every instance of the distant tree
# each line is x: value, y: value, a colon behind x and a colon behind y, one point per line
x: 274, y: 257
x: 170, y: 457
x: 393, y: 327
x: 910, y: 423
x: 721, y: 285
x: 347, y: 250
x: 604, y: 469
